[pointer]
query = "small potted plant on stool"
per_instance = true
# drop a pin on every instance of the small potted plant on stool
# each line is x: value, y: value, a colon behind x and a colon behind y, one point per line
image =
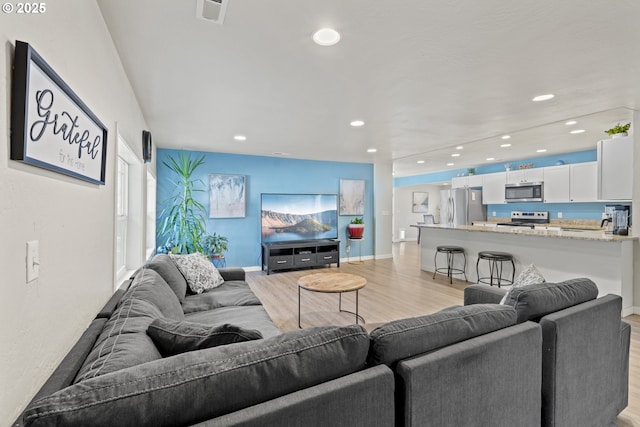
x: 214, y: 246
x: 356, y: 228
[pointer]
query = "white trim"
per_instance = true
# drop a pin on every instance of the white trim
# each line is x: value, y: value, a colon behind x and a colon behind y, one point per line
x: 252, y: 268
x: 384, y: 256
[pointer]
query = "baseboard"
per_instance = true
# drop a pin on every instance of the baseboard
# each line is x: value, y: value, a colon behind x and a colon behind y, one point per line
x: 252, y: 268
x: 384, y: 256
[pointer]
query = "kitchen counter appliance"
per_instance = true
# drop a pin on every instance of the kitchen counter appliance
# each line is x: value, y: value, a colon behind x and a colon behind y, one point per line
x: 526, y: 219
x: 523, y: 192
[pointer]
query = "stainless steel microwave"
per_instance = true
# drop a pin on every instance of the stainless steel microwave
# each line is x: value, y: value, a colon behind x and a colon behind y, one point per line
x: 524, y: 192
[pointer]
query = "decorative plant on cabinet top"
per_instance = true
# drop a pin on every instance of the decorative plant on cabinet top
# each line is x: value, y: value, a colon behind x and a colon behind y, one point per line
x: 619, y: 129
x: 182, y: 220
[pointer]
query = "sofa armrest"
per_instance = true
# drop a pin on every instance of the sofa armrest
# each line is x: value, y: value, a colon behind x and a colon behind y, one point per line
x: 483, y: 294
x: 232, y: 273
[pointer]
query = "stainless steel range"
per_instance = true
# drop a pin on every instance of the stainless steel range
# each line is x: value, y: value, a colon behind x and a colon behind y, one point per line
x: 526, y: 219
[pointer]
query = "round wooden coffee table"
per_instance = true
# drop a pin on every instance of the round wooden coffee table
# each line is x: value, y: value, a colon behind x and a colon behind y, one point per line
x: 332, y: 283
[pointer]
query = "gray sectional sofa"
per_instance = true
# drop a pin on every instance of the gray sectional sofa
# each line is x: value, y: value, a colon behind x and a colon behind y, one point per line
x: 466, y: 365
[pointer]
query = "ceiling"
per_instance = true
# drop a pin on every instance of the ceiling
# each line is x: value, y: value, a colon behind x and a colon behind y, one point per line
x: 424, y: 76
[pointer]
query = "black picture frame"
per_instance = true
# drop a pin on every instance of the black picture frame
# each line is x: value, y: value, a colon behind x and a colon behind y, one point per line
x: 51, y: 127
x: 147, y: 146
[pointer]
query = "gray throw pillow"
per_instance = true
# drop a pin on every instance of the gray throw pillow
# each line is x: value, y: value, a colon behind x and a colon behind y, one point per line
x: 165, y: 267
x: 175, y: 337
x: 200, y: 273
x: 529, y: 276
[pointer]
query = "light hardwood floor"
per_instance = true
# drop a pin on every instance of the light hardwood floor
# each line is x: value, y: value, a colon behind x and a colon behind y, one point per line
x: 396, y: 288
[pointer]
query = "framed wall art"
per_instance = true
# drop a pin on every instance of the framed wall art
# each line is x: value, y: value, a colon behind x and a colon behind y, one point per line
x: 227, y: 196
x: 352, y: 196
x: 420, y: 202
x: 50, y: 125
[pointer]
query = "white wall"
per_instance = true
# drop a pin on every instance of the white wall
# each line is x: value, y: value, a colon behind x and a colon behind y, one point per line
x: 383, y: 209
x: 403, y: 215
x: 72, y: 220
x: 635, y: 212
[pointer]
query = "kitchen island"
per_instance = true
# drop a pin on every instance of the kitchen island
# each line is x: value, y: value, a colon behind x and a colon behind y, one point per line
x: 558, y: 254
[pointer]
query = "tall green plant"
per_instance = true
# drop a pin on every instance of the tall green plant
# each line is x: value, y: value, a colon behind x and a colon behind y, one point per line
x: 182, y: 220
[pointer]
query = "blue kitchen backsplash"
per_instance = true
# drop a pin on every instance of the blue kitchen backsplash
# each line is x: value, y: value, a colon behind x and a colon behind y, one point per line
x: 569, y: 210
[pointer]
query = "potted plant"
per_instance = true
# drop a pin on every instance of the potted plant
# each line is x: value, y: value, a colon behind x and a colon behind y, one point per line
x: 214, y: 245
x: 182, y: 220
x: 356, y: 228
x: 471, y: 171
x: 618, y: 130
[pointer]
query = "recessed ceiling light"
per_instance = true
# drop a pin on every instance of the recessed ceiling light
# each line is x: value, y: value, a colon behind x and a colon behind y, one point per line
x: 372, y: 150
x: 280, y: 153
x: 490, y: 158
x: 506, y: 136
x: 450, y: 164
x: 420, y: 161
x: 505, y: 145
x: 542, y: 150
x: 357, y: 123
x: 570, y: 122
x: 577, y: 131
x: 460, y: 147
x: 240, y: 138
x: 326, y: 37
x: 455, y: 155
x: 543, y: 97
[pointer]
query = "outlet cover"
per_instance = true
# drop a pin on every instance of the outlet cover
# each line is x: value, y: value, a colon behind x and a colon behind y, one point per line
x: 559, y: 214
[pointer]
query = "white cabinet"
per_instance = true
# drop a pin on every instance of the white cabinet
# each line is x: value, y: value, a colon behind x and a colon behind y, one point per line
x: 525, y: 175
x: 467, y: 181
x: 493, y: 188
x: 584, y: 182
x: 557, y: 187
x: 615, y: 168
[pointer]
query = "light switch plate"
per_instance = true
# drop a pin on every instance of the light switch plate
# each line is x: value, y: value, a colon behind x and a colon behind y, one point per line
x: 33, y: 260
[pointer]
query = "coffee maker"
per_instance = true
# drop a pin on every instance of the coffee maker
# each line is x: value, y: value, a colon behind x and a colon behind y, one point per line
x: 617, y: 219
x: 621, y: 220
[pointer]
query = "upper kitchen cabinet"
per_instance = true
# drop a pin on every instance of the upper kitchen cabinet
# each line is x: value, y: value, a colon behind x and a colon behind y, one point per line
x: 467, y: 181
x: 493, y: 188
x: 615, y: 168
x: 557, y: 188
x: 525, y: 175
x: 584, y: 182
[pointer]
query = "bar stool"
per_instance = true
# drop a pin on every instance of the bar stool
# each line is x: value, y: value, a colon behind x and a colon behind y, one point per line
x: 451, y: 251
x: 495, y: 267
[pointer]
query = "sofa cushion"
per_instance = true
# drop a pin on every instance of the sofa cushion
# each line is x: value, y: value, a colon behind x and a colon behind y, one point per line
x: 405, y: 338
x: 175, y: 337
x: 248, y: 317
x: 165, y: 267
x: 200, y: 385
x: 233, y: 293
x: 200, y: 273
x: 528, y: 276
x: 150, y: 286
x: 123, y: 342
x: 535, y: 301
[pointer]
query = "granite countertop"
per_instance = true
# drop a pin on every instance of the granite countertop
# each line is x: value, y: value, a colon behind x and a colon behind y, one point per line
x: 580, y: 234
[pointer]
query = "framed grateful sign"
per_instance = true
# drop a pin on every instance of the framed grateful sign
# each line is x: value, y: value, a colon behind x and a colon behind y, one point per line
x: 50, y: 126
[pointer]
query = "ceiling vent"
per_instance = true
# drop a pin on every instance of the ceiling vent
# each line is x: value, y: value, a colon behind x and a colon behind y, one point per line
x: 211, y: 10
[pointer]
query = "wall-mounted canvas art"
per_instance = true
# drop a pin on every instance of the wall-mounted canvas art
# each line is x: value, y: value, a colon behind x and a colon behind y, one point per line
x: 420, y: 202
x: 227, y: 196
x: 352, y: 197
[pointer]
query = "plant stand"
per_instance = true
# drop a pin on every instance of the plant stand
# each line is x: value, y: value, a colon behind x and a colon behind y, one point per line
x: 359, y: 241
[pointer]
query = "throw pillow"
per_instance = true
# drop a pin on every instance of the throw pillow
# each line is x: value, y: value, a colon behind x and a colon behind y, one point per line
x: 175, y: 337
x: 200, y: 273
x: 529, y: 276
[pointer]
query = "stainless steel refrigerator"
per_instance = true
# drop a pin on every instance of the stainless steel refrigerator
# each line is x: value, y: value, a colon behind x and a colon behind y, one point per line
x: 461, y: 206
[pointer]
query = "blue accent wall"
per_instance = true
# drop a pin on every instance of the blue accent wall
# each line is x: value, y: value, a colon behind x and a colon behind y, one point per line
x: 569, y: 210
x: 269, y: 175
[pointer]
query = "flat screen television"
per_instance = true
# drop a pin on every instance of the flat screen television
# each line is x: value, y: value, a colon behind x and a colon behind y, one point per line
x: 298, y: 217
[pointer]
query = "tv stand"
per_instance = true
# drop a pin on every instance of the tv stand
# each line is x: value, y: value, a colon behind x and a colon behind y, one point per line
x: 293, y: 255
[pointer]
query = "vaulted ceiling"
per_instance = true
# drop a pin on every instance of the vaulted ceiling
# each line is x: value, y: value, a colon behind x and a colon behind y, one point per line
x: 424, y: 76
